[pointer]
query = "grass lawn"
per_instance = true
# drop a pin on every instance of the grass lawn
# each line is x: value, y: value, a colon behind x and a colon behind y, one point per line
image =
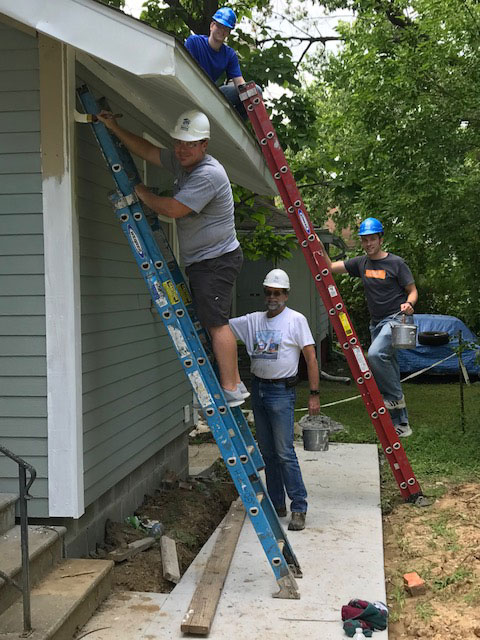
x: 438, y: 450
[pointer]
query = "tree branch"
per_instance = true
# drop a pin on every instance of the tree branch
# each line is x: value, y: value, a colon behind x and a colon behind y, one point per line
x: 303, y: 55
x: 311, y: 39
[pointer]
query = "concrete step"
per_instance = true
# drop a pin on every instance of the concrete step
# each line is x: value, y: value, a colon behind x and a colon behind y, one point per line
x: 45, y: 550
x: 7, y: 511
x: 62, y: 602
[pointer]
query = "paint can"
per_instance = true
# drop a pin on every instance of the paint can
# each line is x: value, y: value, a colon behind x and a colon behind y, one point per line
x: 404, y: 336
x: 315, y: 438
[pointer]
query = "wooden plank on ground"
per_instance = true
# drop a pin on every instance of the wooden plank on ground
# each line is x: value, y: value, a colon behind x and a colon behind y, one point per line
x: 131, y: 550
x: 203, y: 605
x: 171, y: 570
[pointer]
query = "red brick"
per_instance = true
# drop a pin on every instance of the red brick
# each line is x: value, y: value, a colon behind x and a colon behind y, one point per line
x: 414, y: 584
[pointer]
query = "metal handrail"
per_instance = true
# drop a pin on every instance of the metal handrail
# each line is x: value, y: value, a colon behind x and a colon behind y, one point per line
x: 24, y: 496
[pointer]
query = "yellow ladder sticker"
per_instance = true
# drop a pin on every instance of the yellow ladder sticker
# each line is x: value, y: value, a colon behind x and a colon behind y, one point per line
x: 171, y: 291
x: 345, y: 324
x: 182, y: 287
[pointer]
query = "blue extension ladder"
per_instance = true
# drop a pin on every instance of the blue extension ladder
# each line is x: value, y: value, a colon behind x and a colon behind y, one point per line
x: 172, y: 301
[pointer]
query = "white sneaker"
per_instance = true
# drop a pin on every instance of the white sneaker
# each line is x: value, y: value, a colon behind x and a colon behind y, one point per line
x: 243, y: 390
x: 234, y: 398
x: 395, y: 404
x: 403, y: 430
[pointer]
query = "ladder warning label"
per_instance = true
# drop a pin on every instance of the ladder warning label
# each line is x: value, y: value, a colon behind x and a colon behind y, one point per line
x: 184, y: 293
x: 171, y: 291
x: 362, y: 363
x: 199, y: 388
x: 178, y: 341
x: 304, y: 221
x: 345, y: 324
x: 135, y: 241
x: 332, y: 291
x: 160, y: 297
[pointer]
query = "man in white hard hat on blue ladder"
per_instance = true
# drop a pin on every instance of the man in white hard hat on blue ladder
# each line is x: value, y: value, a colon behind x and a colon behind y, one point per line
x: 202, y: 206
x: 274, y: 340
x: 390, y: 289
x: 215, y: 57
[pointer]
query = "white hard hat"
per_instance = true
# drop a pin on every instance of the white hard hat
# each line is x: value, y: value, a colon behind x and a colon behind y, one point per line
x: 191, y: 125
x: 277, y: 278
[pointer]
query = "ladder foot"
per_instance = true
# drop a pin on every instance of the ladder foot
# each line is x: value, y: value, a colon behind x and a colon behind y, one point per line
x: 295, y: 570
x: 419, y: 500
x: 288, y: 588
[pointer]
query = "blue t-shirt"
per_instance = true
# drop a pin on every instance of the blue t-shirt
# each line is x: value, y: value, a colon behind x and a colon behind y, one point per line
x: 211, y: 61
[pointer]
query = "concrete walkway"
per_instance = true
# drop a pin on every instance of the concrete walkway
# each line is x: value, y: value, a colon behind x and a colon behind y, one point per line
x: 340, y: 553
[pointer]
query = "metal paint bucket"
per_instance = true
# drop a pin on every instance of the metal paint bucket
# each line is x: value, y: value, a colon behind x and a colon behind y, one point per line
x: 404, y: 336
x: 315, y: 438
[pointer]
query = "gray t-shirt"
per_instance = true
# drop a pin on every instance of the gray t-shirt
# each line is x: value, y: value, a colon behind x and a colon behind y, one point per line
x: 209, y: 230
x: 384, y: 281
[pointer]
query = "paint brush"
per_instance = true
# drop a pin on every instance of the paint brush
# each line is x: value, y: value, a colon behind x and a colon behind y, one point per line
x: 90, y: 117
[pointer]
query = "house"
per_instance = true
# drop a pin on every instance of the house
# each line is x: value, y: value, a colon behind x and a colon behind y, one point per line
x: 91, y: 392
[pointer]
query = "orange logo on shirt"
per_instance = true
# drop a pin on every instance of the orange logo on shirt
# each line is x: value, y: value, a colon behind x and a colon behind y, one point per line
x: 375, y: 273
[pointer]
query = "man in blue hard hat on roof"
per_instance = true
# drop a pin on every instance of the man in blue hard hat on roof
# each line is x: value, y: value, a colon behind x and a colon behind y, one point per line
x: 390, y: 289
x: 216, y: 58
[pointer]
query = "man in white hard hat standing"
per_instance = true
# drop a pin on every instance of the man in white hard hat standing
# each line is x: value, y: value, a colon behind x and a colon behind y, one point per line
x: 274, y: 340
x: 202, y: 206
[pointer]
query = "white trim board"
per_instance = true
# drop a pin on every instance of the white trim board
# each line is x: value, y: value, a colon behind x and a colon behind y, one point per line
x: 62, y: 281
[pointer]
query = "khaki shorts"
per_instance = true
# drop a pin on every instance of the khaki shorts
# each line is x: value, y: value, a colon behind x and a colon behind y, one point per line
x: 211, y: 283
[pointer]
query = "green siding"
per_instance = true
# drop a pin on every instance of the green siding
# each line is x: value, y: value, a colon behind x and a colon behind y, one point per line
x: 133, y: 385
x: 23, y: 406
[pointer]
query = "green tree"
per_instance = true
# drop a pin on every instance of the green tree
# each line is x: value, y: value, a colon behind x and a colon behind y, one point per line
x: 398, y: 130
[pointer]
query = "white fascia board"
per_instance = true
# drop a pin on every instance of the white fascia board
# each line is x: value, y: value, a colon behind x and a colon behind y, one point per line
x: 163, y: 99
x: 98, y: 30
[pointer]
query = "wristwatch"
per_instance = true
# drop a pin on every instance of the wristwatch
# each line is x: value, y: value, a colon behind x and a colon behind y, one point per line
x: 314, y: 392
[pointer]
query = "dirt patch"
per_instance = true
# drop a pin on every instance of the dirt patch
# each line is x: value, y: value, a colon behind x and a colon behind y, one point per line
x: 189, y: 512
x: 442, y: 544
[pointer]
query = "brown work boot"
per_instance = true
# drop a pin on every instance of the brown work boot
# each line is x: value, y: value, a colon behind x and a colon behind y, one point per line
x: 297, y: 523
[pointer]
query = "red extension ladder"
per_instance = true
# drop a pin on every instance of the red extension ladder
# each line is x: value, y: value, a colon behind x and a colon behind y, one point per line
x: 312, y: 250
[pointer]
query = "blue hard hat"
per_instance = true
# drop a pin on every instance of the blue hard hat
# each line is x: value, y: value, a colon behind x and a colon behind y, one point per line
x: 225, y: 16
x: 369, y: 226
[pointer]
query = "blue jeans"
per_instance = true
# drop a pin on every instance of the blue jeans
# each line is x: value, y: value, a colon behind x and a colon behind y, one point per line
x: 231, y: 93
x: 273, y: 406
x: 384, y: 364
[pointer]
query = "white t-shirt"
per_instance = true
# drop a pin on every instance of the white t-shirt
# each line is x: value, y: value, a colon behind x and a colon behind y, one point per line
x: 273, y: 344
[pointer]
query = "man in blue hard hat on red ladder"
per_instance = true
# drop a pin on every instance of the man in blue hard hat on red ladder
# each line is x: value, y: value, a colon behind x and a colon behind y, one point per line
x: 390, y: 289
x: 216, y: 58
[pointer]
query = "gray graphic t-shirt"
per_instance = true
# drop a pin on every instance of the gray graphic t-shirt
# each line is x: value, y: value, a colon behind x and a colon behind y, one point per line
x: 209, y: 230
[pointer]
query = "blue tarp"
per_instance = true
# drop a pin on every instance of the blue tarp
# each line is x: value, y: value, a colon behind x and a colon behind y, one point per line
x: 422, y: 356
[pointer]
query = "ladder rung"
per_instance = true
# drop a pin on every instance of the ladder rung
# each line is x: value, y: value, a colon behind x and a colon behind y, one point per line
x: 281, y: 545
x: 260, y: 496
